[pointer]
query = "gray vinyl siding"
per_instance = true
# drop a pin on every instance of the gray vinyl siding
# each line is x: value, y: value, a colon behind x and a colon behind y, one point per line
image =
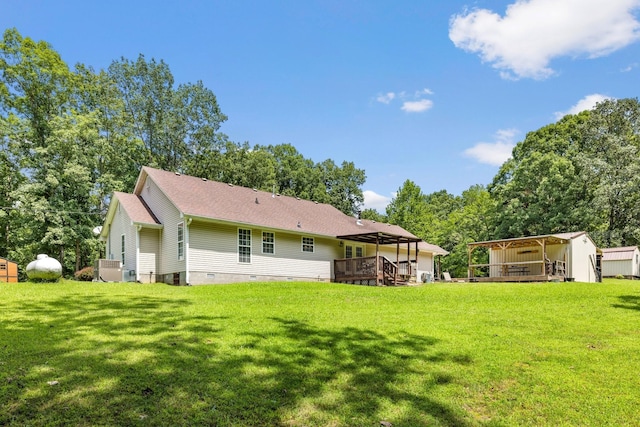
x: 149, y: 250
x: 624, y: 267
x: 169, y: 217
x: 214, y: 249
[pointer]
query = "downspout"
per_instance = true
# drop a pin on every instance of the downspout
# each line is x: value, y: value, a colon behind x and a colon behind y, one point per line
x: 138, y: 228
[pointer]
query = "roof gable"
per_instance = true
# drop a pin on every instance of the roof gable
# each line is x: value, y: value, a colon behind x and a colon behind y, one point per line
x: 135, y: 207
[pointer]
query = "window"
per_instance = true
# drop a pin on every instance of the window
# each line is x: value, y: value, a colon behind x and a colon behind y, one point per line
x: 349, y: 251
x: 307, y: 244
x: 181, y: 241
x: 268, y: 242
x: 244, y: 245
x: 122, y: 248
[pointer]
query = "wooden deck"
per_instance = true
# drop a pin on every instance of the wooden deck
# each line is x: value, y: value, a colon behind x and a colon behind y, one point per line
x: 520, y: 278
x: 373, y: 271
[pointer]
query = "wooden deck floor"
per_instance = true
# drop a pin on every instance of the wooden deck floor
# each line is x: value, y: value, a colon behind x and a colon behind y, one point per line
x: 529, y: 278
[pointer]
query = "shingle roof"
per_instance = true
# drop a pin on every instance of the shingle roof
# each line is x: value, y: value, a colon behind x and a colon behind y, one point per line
x: 618, y: 254
x: 206, y: 199
x: 136, y: 208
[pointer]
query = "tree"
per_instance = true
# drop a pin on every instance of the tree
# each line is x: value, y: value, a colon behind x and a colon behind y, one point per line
x: 610, y: 161
x: 373, y: 215
x: 408, y: 209
x: 342, y: 186
x: 173, y: 124
x: 539, y: 190
x: 471, y: 221
x: 34, y: 86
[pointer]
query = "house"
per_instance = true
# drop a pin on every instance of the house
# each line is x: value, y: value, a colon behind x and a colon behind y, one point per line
x: 624, y: 261
x: 552, y: 257
x: 181, y: 229
x: 8, y: 271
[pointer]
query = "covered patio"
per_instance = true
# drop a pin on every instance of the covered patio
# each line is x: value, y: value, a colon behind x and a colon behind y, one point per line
x: 378, y: 269
x: 525, y: 259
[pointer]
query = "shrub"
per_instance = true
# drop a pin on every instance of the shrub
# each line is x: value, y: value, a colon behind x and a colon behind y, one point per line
x: 619, y: 276
x: 84, y: 275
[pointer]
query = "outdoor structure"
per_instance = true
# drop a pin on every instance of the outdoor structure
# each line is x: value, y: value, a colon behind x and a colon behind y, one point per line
x: 8, y: 271
x: 624, y: 261
x: 181, y: 230
x: 552, y: 257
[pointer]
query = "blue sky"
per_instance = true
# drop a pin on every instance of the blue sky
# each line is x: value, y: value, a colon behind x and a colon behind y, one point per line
x: 437, y: 92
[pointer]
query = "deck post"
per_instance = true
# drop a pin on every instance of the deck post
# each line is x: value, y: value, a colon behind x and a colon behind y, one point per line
x: 395, y: 271
x: 378, y: 260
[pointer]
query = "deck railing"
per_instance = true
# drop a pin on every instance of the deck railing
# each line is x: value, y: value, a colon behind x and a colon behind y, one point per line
x: 514, y: 269
x: 363, y: 270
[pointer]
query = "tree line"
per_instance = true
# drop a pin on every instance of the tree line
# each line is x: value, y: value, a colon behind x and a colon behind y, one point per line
x: 70, y: 137
x: 581, y: 173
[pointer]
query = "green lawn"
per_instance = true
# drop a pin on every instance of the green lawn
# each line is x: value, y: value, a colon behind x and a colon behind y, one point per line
x: 319, y: 354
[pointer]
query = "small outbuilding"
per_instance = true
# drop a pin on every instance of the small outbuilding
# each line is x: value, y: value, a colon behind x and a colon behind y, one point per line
x: 8, y: 271
x: 623, y: 261
x: 552, y: 257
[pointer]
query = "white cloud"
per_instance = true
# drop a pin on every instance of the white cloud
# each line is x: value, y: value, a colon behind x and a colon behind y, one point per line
x: 386, y: 98
x: 415, y: 103
x: 373, y: 200
x: 523, y: 42
x: 586, y: 103
x: 417, y: 106
x: 629, y: 67
x: 424, y: 91
x: 494, y: 153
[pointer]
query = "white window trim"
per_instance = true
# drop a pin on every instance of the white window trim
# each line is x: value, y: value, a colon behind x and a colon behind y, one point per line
x: 313, y: 245
x: 123, y: 249
x: 249, y: 245
x: 273, y: 243
x: 180, y: 225
x: 354, y: 249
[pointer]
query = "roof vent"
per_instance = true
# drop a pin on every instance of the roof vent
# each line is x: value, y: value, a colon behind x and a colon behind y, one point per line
x: 177, y: 173
x: 255, y: 189
x: 359, y: 222
x: 230, y: 185
x: 257, y: 202
x: 297, y: 198
x: 204, y: 179
x: 299, y: 226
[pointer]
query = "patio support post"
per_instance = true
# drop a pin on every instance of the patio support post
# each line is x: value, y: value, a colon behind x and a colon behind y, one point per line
x: 544, y: 257
x: 377, y: 258
x: 395, y: 272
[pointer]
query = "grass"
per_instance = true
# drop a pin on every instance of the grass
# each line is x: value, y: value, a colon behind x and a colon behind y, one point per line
x: 318, y: 354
